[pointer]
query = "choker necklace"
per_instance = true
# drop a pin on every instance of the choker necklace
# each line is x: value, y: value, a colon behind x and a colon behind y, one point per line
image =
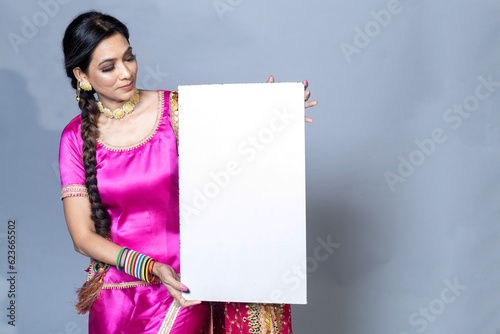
x: 119, y: 113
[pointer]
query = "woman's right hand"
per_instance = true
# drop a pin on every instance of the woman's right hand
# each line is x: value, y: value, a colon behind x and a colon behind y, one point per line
x: 87, y: 242
x: 171, y: 281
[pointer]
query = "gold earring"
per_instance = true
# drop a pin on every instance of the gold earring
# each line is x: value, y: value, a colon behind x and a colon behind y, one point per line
x: 78, y: 93
x: 85, y: 86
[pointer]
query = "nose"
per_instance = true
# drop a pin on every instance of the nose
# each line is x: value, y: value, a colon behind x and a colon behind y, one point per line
x: 125, y: 71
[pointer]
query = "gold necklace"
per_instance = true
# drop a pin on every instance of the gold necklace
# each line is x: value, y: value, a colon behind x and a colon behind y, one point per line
x: 119, y: 113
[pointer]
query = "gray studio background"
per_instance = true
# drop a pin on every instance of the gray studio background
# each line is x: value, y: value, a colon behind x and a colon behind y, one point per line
x: 403, y: 161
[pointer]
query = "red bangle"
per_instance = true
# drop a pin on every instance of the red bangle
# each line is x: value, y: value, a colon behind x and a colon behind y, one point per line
x: 152, y: 278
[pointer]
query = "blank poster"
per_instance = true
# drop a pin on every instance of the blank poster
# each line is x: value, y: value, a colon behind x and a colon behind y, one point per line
x: 242, y: 192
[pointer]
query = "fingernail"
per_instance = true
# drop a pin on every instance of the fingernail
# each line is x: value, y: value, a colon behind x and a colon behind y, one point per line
x: 184, y: 288
x: 306, y: 83
x: 269, y: 78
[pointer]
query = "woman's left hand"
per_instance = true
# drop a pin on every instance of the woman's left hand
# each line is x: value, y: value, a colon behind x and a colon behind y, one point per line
x: 307, y: 95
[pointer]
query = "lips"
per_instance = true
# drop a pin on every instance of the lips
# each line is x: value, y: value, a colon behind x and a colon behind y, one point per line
x: 128, y: 86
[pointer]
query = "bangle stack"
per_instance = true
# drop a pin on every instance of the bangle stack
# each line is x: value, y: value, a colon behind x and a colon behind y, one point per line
x: 136, y: 264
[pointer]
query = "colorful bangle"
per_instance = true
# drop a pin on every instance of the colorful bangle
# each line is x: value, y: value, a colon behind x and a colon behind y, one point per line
x: 124, y: 262
x: 151, y: 277
x: 146, y: 269
x: 136, y: 264
x: 132, y: 263
x: 127, y: 260
x: 138, y: 268
x: 119, y: 258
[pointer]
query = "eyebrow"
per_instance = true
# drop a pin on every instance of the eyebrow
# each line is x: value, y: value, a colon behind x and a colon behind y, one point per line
x: 111, y: 59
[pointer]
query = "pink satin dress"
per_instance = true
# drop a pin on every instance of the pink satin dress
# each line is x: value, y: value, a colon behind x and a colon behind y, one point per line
x: 138, y: 185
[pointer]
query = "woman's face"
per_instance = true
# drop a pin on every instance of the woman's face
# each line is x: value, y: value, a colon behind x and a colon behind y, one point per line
x: 113, y: 71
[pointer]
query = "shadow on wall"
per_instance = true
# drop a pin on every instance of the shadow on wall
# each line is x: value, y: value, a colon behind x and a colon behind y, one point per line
x: 27, y: 149
x: 367, y: 243
x: 30, y: 194
x: 352, y: 226
x: 20, y: 142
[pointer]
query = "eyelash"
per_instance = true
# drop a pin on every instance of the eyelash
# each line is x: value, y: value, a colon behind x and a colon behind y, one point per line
x: 107, y: 69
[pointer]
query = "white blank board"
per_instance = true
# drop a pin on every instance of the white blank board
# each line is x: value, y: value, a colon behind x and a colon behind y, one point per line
x: 242, y: 192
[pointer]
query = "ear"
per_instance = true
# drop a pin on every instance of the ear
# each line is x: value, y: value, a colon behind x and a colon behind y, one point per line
x: 79, y: 75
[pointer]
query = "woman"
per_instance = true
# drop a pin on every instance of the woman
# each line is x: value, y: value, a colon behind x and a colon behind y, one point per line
x: 119, y: 177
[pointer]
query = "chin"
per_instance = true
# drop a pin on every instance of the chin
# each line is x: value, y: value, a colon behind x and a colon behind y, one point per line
x: 127, y: 94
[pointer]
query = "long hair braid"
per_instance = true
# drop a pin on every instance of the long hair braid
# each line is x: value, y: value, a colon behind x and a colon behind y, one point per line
x: 90, y: 133
x: 82, y: 36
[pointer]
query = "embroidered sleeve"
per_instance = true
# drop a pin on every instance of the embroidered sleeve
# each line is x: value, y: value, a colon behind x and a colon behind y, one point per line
x: 74, y: 190
x: 70, y: 161
x: 174, y: 114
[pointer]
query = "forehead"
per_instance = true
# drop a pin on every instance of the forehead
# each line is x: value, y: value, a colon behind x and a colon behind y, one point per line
x: 112, y: 47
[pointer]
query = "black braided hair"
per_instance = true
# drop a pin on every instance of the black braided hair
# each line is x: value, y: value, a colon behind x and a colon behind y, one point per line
x: 80, y: 39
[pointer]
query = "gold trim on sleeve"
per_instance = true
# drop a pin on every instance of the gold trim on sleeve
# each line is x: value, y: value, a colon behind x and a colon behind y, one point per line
x: 74, y: 190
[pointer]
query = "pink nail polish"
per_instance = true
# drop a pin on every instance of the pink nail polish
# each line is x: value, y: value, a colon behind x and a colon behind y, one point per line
x: 269, y: 78
x: 184, y: 288
x: 306, y: 83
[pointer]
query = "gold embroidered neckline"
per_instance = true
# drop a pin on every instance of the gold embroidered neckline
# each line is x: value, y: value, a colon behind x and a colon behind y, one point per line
x: 159, y: 117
